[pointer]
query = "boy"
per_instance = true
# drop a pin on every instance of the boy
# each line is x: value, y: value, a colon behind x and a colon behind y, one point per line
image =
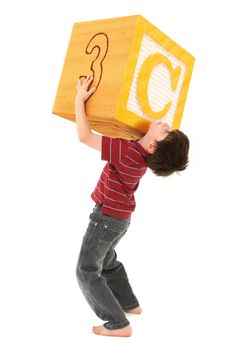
x: 103, y: 279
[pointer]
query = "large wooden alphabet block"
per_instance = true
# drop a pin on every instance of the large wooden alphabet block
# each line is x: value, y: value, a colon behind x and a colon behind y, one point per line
x: 139, y: 72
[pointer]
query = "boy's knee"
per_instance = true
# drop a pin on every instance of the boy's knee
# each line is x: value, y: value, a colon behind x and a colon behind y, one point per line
x: 79, y: 272
x: 85, y: 276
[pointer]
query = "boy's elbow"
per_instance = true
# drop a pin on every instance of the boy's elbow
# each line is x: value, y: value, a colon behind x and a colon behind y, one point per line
x: 92, y: 140
x: 83, y: 138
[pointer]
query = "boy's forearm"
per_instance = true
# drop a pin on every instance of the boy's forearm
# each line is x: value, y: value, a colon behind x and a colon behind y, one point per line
x: 83, y: 127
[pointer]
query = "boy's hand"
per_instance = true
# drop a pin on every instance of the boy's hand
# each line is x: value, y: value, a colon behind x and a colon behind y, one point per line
x: 83, y: 93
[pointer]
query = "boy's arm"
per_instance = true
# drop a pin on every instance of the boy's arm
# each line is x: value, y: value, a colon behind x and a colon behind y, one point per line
x: 84, y: 132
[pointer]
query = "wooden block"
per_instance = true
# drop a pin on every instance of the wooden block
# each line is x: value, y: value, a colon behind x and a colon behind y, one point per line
x: 140, y: 74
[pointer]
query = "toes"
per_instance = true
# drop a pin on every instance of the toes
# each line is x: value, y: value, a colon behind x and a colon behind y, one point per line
x: 96, y: 330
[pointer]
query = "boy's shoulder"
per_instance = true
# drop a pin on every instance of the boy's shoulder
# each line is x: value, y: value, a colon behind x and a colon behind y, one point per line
x: 136, y: 152
x: 124, y: 148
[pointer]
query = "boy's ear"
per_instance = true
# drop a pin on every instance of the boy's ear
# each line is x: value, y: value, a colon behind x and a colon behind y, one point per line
x: 152, y: 147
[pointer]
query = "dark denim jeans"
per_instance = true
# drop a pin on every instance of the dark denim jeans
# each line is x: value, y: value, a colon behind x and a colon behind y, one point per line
x: 103, y: 279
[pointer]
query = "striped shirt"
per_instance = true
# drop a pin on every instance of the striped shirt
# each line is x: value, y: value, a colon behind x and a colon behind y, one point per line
x: 126, y: 164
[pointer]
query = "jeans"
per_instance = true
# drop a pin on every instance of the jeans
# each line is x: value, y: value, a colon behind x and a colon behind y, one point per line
x: 101, y: 278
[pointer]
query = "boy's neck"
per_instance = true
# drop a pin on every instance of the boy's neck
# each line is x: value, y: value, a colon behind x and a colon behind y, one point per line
x: 145, y: 143
x: 142, y: 142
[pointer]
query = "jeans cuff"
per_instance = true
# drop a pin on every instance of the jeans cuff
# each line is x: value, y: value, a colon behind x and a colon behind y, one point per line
x: 110, y: 325
x: 129, y: 307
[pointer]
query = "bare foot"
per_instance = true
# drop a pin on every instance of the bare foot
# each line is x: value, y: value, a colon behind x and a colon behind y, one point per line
x: 137, y: 310
x: 121, y: 332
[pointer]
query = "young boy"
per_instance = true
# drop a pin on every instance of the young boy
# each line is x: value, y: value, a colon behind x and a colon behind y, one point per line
x: 101, y: 277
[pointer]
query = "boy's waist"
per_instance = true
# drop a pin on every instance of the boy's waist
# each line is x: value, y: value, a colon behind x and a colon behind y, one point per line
x: 99, y: 210
x: 113, y: 212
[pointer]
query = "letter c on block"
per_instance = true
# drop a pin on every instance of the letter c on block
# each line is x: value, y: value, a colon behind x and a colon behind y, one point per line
x: 143, y: 81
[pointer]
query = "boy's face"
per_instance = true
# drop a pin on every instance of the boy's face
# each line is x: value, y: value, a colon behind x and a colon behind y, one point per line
x: 158, y: 130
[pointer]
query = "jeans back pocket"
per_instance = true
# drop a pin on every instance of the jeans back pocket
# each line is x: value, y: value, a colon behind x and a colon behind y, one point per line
x: 110, y: 235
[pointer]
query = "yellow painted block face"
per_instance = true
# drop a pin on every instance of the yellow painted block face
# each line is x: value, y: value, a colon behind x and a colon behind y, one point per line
x: 139, y: 72
x: 156, y: 81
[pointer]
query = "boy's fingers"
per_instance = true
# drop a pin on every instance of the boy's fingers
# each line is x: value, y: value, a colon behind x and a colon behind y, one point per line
x: 88, y: 80
x: 90, y: 92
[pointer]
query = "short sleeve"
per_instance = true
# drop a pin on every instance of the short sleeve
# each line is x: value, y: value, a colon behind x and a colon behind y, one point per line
x: 113, y: 149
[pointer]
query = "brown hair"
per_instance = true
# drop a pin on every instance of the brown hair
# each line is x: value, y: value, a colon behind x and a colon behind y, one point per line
x: 170, y: 155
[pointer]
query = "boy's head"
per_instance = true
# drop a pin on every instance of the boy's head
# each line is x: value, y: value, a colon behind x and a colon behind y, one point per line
x: 167, y: 149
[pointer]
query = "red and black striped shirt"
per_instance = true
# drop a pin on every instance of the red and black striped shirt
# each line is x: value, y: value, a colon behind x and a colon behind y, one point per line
x: 126, y: 164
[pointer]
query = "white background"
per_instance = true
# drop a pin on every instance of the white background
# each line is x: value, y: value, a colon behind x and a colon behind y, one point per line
x: 178, y: 250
